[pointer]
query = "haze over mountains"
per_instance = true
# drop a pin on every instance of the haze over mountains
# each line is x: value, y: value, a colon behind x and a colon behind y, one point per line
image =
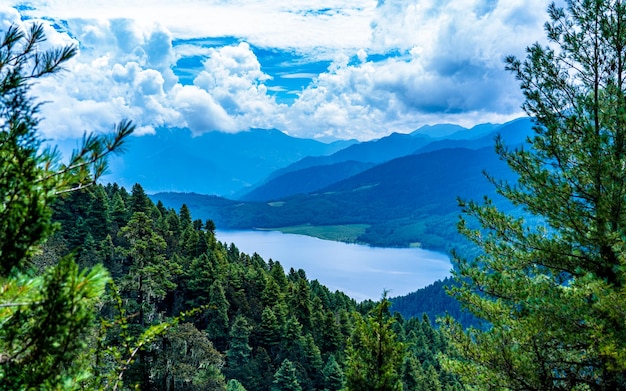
x: 400, y: 190
x: 212, y: 163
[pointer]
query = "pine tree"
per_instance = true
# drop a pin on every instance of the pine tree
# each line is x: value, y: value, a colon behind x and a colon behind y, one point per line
x: 239, y: 351
x: 46, y: 320
x: 269, y: 330
x: 375, y: 356
x: 285, y: 378
x: 412, y: 374
x: 150, y: 274
x: 186, y: 360
x: 333, y: 375
x: 98, y: 214
x: 185, y: 217
x: 139, y: 201
x: 234, y: 385
x: 313, y: 363
x: 217, y: 315
x: 119, y: 213
x: 550, y: 280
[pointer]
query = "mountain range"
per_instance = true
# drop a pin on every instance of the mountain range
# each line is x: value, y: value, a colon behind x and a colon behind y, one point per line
x: 211, y: 163
x: 400, y: 190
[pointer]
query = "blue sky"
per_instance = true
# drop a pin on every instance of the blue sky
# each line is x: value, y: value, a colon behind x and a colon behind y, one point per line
x: 320, y: 69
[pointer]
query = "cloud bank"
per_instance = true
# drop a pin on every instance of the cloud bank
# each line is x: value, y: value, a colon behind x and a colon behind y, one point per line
x: 353, y: 69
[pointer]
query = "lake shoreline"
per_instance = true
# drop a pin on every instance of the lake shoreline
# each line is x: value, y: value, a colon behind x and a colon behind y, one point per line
x: 361, y: 271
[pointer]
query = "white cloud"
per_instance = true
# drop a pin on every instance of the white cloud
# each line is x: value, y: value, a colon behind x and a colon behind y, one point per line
x: 199, y: 111
x: 447, y: 64
x: 279, y: 23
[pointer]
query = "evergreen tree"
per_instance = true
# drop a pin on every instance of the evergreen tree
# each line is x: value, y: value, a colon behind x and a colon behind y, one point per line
x: 187, y: 360
x: 333, y: 375
x: 313, y: 363
x: 119, y: 213
x: 375, y: 356
x: 285, y: 378
x: 46, y: 320
x: 239, y: 351
x: 412, y: 374
x: 150, y: 274
x: 551, y: 281
x: 430, y: 380
x: 185, y: 217
x: 217, y: 315
x: 269, y: 330
x: 234, y: 385
x: 139, y: 201
x: 300, y: 302
x: 98, y: 216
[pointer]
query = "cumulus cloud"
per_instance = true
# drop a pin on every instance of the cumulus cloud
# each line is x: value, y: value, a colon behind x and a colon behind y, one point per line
x: 394, y: 64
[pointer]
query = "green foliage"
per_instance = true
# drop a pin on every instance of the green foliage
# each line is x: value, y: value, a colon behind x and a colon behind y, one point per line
x: 46, y: 320
x: 333, y: 375
x: 434, y: 301
x: 150, y: 274
x: 217, y: 315
x: 551, y: 284
x: 374, y: 353
x: 187, y: 360
x: 249, y: 310
x: 285, y: 378
x: 234, y: 385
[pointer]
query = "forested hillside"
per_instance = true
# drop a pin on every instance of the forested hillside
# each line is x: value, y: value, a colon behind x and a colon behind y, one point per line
x: 409, y: 201
x: 434, y: 302
x: 250, y: 323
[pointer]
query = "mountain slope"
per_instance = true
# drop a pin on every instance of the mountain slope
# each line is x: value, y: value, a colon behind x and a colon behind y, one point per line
x: 212, y: 163
x: 512, y: 133
x: 411, y: 200
x: 305, y: 181
x: 427, y: 138
x: 374, y: 151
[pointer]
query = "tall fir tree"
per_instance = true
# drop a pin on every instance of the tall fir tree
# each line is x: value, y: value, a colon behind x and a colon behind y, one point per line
x: 150, y: 274
x: 285, y: 378
x: 217, y: 316
x: 333, y: 375
x: 239, y: 353
x: 551, y: 280
x: 375, y: 355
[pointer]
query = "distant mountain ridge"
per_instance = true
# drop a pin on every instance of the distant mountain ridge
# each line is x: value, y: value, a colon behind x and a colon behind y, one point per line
x: 288, y: 181
x: 212, y: 163
x: 305, y: 180
x: 406, y: 200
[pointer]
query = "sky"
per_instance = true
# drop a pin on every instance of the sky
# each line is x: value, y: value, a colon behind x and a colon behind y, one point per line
x: 331, y: 69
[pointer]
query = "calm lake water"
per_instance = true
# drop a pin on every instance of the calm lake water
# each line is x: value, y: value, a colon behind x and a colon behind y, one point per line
x: 361, y: 272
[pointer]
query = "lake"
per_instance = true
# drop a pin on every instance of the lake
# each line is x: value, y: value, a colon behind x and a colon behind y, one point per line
x: 361, y: 272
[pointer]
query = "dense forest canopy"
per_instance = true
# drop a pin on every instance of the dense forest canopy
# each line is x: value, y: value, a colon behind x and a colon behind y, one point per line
x: 104, y: 289
x: 551, y: 282
x: 253, y: 321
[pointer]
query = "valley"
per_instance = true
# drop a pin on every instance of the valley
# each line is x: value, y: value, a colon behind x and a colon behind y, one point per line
x: 399, y: 191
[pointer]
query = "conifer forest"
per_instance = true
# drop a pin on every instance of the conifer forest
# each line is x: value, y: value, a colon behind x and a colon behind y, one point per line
x: 101, y: 288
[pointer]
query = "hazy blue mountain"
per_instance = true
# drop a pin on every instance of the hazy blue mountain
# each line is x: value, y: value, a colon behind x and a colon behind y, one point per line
x: 513, y: 133
x: 212, y: 163
x: 374, y: 151
x: 439, y: 131
x: 312, y: 173
x: 454, y: 132
x: 305, y: 181
x: 408, y: 200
